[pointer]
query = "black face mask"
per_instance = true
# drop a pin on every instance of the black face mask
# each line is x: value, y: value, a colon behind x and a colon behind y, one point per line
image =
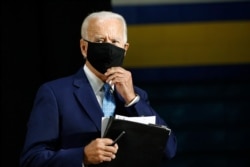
x: 104, y: 55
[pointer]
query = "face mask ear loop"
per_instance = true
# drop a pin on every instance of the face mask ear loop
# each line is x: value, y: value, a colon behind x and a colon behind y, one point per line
x: 86, y: 40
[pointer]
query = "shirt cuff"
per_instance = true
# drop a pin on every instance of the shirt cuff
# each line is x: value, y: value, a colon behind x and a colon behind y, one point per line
x: 135, y: 100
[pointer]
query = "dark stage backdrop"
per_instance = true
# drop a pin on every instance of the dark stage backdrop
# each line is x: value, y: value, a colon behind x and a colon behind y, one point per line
x: 40, y: 42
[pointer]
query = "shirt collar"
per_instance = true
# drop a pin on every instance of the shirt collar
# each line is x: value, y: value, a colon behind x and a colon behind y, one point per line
x: 94, y: 81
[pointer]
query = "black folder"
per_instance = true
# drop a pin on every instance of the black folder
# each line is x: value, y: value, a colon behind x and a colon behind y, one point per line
x: 142, y: 145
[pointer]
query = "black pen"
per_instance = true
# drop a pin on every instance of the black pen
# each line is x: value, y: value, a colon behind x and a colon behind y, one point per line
x: 120, y: 135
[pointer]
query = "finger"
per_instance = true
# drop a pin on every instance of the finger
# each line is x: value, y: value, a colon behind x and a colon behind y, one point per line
x: 106, y: 141
x: 106, y: 158
x: 112, y: 70
x: 109, y: 157
x: 112, y: 149
x: 121, y: 75
x: 108, y: 154
x: 114, y: 78
x: 116, y: 146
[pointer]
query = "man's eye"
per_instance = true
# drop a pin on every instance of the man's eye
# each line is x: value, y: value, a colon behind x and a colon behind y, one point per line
x: 99, y: 41
x: 115, y: 41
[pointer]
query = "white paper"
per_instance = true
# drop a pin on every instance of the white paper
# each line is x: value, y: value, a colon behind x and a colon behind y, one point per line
x: 105, y: 121
x: 140, y: 119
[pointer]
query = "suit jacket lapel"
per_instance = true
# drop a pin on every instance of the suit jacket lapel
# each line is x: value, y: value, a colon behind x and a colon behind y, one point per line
x: 87, y: 98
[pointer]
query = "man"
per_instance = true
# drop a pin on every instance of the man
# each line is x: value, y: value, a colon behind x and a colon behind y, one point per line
x: 64, y: 128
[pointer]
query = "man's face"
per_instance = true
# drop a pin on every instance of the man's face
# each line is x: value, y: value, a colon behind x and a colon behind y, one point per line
x: 111, y: 31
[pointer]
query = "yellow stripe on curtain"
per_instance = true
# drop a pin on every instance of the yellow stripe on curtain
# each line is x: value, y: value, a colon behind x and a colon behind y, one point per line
x: 188, y: 44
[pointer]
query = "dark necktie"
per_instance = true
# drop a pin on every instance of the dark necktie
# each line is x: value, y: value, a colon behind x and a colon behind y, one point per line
x: 108, y: 103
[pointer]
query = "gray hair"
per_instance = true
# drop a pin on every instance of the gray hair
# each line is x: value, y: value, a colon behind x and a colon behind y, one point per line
x: 102, y: 15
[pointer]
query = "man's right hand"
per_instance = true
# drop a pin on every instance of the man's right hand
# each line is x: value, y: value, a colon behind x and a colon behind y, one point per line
x: 99, y: 150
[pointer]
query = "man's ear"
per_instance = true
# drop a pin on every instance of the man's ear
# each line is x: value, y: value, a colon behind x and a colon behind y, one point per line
x: 83, y: 47
x: 126, y: 46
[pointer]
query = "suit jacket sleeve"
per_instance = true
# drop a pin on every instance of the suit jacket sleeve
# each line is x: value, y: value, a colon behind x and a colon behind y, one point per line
x: 142, y: 107
x: 41, y: 145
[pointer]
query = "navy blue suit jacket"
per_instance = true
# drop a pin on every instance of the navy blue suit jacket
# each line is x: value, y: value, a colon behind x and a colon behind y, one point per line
x: 66, y: 116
